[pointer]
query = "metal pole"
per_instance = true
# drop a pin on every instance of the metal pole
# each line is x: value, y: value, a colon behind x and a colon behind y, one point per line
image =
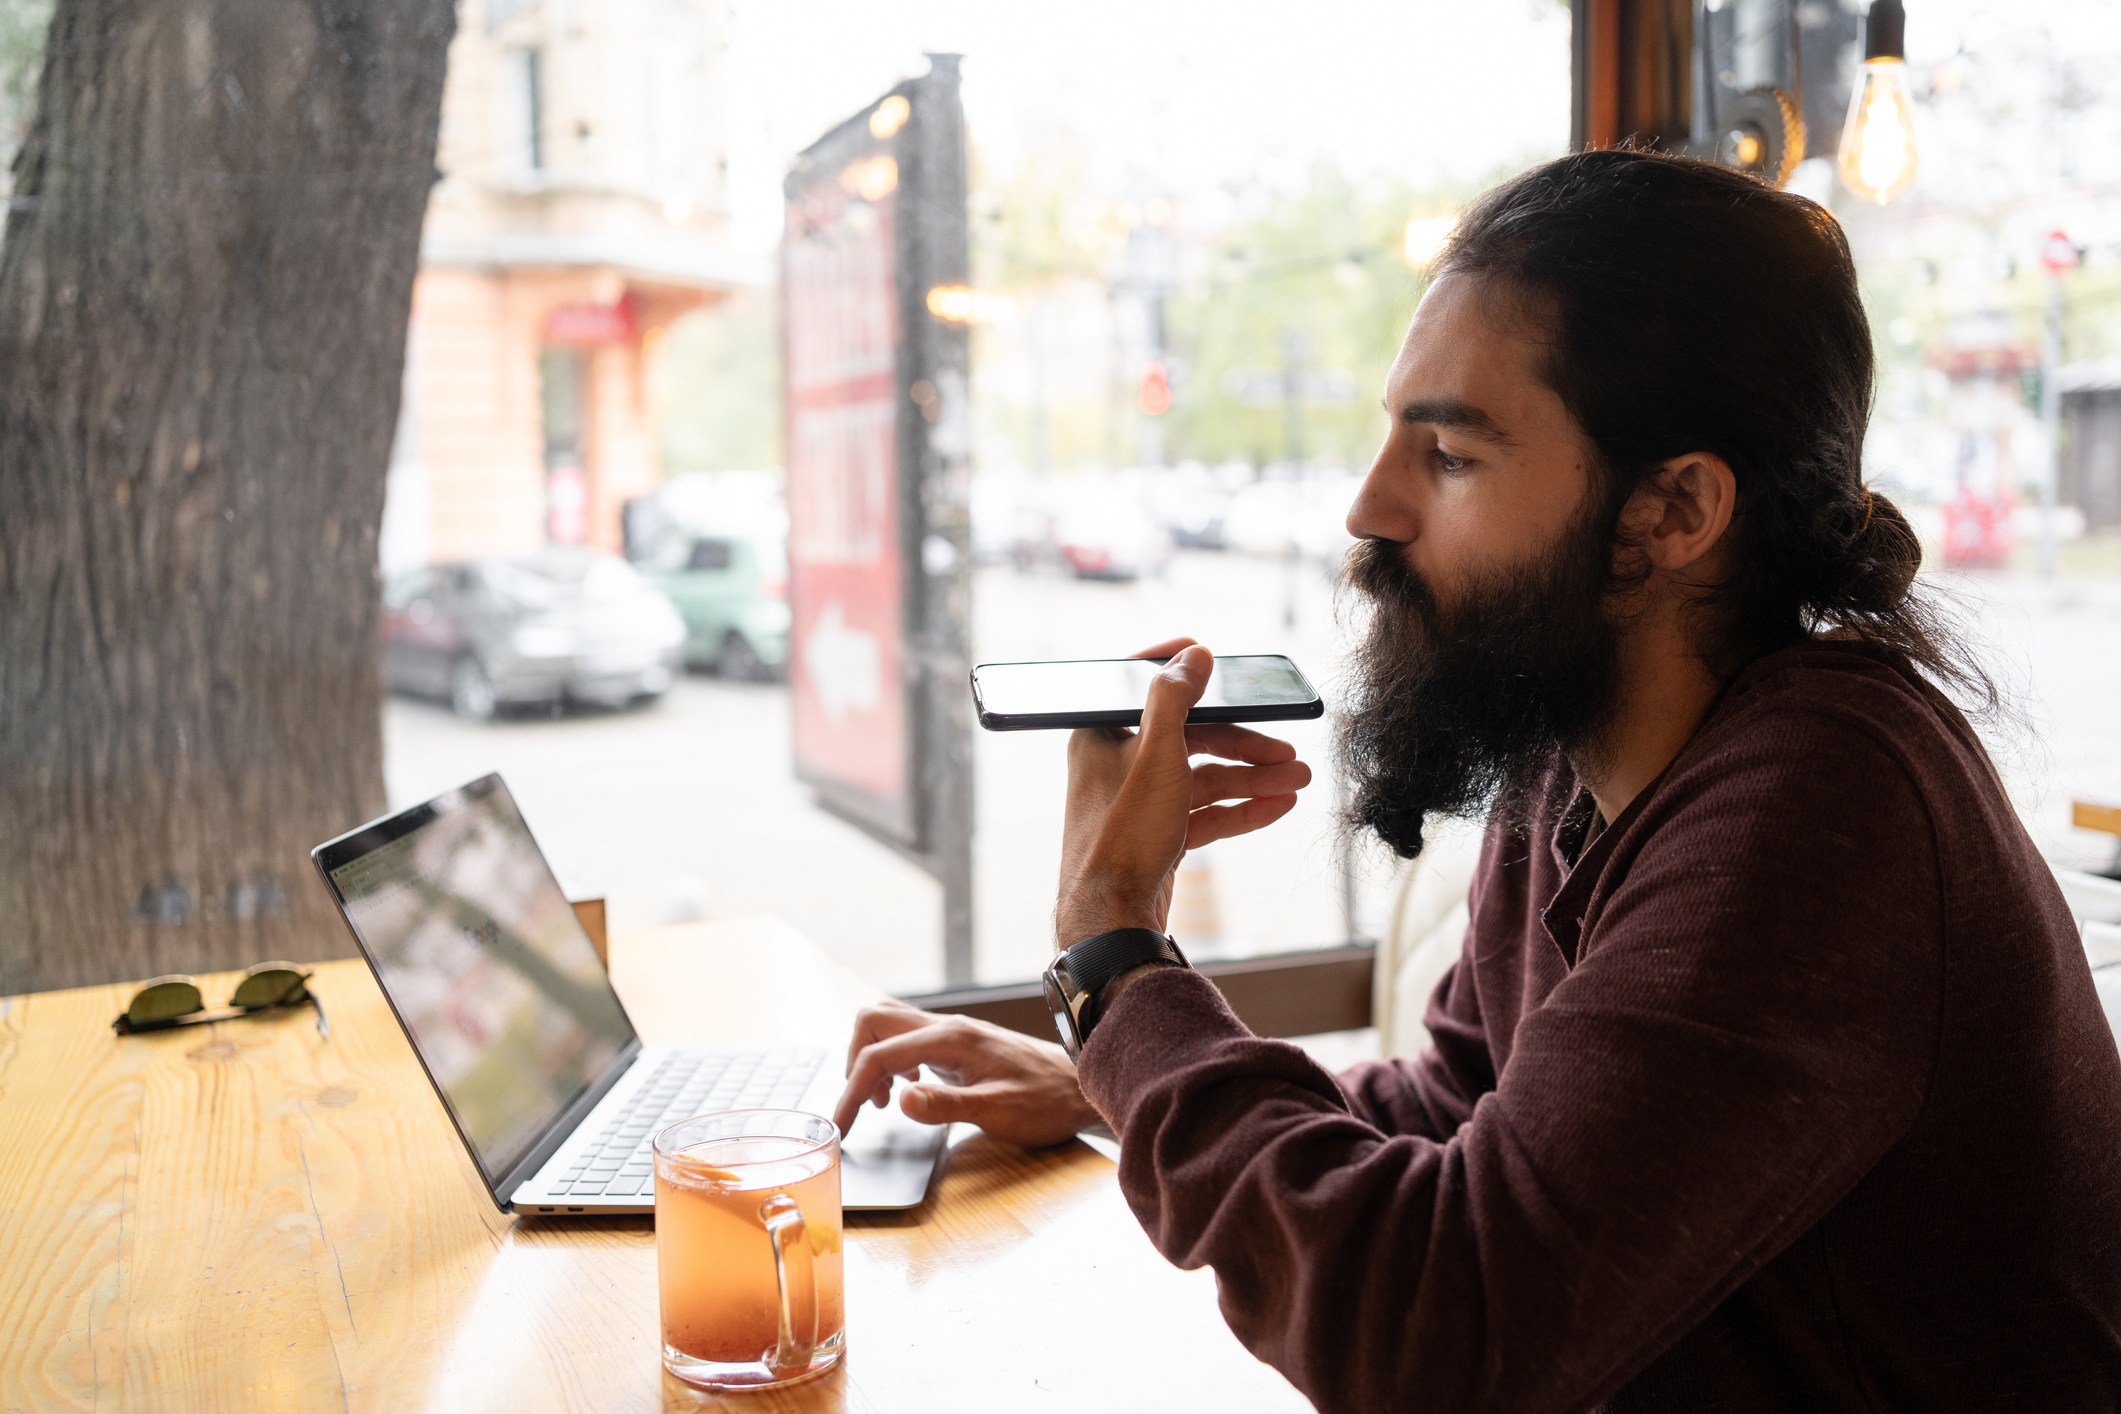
x: 1293, y: 348
x: 2050, y: 419
x: 1146, y: 259
x: 938, y: 533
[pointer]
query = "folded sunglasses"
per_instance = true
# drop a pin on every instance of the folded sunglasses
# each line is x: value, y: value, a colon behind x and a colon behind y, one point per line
x: 175, y: 1000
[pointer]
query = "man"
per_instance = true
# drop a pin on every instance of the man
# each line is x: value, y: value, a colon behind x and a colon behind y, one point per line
x: 1771, y: 1075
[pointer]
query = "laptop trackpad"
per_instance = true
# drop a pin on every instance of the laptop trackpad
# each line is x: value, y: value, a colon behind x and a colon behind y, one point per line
x: 888, y: 1160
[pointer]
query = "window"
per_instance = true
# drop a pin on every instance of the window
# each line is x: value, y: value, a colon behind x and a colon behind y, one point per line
x: 1191, y: 255
x: 709, y: 555
x: 522, y: 117
x: 1109, y: 508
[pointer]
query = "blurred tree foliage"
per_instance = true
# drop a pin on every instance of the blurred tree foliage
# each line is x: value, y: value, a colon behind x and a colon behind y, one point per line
x: 1325, y: 270
x: 722, y: 387
x: 1043, y: 226
x: 1045, y: 236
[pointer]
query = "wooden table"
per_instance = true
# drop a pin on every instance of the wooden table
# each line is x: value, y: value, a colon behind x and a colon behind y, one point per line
x: 250, y: 1216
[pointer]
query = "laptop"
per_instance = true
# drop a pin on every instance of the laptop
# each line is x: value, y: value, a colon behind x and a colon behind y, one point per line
x: 514, y: 1018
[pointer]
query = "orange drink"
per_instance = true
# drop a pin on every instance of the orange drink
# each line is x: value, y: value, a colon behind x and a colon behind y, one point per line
x: 747, y: 1238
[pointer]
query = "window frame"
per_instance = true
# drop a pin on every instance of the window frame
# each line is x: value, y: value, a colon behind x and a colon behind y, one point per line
x: 1276, y: 994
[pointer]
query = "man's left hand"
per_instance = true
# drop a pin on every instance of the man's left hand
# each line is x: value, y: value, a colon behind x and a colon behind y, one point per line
x: 1012, y: 1086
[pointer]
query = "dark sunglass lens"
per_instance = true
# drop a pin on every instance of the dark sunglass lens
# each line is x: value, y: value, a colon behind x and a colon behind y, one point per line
x: 270, y: 984
x: 165, y: 999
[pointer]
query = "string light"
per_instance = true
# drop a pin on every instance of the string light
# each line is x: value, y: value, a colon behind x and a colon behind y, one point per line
x: 960, y: 304
x: 890, y: 116
x: 871, y: 180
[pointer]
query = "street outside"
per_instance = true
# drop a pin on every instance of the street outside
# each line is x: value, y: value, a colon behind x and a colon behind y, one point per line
x: 687, y: 809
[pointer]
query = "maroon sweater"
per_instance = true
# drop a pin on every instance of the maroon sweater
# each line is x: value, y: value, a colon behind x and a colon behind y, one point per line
x: 1793, y: 1094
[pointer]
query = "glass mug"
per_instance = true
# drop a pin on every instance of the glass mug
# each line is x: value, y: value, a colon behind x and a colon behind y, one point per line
x: 747, y: 1247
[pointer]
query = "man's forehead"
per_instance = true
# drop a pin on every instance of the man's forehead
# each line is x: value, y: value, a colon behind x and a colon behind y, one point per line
x: 1467, y: 366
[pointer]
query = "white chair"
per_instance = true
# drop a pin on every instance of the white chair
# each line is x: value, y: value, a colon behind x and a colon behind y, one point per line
x: 1423, y: 939
x: 2095, y: 902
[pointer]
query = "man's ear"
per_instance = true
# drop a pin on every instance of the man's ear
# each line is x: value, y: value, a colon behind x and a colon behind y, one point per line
x: 1680, y: 513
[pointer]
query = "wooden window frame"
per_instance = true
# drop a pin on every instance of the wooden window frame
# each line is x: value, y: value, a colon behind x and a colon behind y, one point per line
x: 1631, y: 73
x: 1282, y: 994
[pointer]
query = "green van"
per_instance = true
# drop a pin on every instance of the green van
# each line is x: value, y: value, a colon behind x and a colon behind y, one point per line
x: 732, y: 592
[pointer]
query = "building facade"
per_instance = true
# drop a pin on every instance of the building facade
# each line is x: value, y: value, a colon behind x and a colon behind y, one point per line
x: 582, y: 207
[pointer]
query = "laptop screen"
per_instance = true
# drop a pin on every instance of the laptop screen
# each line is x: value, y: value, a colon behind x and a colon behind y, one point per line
x: 504, y: 997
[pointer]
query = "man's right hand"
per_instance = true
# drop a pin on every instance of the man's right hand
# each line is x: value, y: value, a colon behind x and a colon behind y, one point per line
x: 1137, y: 803
x: 1008, y: 1084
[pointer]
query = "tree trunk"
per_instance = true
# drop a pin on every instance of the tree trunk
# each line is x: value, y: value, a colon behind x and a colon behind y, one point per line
x: 204, y: 288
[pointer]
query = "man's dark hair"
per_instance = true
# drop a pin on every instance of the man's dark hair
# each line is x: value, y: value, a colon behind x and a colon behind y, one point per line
x: 1690, y: 308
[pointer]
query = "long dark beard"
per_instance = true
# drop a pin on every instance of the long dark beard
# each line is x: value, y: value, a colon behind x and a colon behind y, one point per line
x: 1459, y: 710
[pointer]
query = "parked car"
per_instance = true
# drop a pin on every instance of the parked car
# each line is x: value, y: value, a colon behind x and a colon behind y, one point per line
x: 732, y: 590
x: 1194, y: 515
x: 1106, y: 533
x: 1192, y: 501
x: 565, y: 623
x: 999, y: 516
x: 1092, y: 527
x: 1308, y: 517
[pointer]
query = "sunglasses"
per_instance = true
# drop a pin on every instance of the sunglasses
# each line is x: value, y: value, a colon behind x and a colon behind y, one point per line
x: 163, y: 1002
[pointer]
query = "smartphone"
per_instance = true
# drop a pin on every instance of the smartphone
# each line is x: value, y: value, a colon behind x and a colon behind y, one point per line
x: 1109, y: 692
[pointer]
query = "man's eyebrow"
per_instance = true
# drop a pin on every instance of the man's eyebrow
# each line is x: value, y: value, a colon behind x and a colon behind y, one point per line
x: 1458, y: 415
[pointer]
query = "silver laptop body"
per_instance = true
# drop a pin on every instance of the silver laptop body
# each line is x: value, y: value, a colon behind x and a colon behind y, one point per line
x: 529, y: 1049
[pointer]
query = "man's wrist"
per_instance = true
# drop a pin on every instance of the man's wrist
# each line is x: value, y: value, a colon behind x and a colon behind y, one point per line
x: 1076, y: 923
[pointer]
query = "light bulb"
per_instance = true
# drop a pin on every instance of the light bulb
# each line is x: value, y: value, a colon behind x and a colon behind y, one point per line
x: 1877, y: 156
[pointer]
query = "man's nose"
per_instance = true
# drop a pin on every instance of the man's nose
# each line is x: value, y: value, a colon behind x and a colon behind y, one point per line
x: 1381, y: 510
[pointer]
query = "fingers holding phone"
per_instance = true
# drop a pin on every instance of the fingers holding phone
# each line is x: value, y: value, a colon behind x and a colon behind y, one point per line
x: 1137, y: 803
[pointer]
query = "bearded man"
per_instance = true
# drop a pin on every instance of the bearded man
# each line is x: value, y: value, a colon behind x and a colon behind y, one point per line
x: 1771, y: 1075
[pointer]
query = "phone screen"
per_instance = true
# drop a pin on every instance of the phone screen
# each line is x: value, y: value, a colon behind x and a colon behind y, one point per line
x: 1101, y: 686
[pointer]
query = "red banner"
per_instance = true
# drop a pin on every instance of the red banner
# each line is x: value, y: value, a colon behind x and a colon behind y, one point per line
x: 839, y: 289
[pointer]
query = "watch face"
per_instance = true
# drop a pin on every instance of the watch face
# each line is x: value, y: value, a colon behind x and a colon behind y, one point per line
x: 1062, y: 1021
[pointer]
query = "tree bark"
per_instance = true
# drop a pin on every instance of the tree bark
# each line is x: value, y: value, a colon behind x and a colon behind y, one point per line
x: 204, y: 289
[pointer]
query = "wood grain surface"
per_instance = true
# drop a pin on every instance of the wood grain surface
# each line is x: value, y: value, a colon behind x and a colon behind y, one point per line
x: 248, y: 1216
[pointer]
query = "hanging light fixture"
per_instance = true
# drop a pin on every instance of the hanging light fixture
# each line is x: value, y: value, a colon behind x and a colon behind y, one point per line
x: 1877, y: 156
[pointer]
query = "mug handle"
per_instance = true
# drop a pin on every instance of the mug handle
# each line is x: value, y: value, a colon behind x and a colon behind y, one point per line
x: 786, y: 1231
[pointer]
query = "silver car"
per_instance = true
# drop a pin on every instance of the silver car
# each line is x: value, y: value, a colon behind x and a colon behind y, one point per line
x: 561, y: 624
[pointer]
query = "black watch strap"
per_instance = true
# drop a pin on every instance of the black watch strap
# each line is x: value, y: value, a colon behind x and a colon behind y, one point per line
x: 1094, y: 963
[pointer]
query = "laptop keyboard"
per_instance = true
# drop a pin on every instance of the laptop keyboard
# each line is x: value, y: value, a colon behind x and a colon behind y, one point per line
x: 621, y: 1161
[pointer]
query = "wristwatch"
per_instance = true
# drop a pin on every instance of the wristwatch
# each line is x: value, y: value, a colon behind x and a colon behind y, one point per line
x: 1079, y: 974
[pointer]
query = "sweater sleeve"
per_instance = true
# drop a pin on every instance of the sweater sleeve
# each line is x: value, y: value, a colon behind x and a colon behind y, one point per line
x: 1434, y: 1093
x: 1749, y: 1028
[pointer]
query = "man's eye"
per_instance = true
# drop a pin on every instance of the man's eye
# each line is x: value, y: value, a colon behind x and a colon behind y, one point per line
x: 1450, y: 463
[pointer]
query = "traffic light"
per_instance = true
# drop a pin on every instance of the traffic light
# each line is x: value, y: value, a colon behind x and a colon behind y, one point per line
x: 1155, y: 396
